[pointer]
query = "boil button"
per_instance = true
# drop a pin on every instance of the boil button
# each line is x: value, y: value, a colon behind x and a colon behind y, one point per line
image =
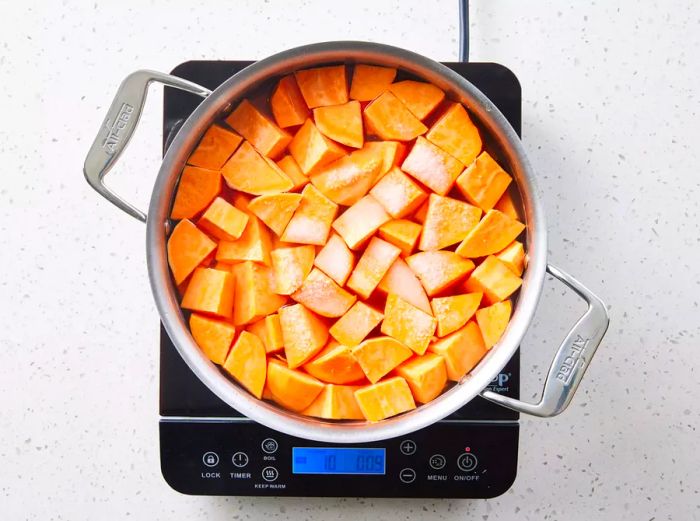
x: 467, y: 462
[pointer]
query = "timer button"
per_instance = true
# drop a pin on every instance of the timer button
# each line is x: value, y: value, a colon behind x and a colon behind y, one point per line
x: 437, y: 461
x: 467, y: 462
x: 407, y: 475
x: 240, y: 459
x: 269, y: 446
x: 408, y: 447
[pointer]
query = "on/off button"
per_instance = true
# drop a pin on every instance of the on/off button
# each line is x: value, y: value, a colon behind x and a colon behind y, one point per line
x: 467, y: 462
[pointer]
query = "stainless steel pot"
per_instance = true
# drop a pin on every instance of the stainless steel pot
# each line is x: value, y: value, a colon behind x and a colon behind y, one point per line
x: 570, y: 361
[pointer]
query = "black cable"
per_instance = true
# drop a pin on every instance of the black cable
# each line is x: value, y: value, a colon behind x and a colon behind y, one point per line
x: 464, y: 30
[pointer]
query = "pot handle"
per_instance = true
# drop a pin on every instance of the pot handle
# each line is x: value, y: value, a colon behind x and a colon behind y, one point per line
x: 119, y: 125
x: 572, y: 358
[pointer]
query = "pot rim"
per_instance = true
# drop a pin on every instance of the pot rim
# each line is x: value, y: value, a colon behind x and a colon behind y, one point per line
x: 218, y: 103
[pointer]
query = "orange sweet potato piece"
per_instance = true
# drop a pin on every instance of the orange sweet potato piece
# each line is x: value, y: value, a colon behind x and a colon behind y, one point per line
x: 291, y: 389
x: 210, y: 291
x: 402, y: 233
x: 400, y: 280
x: 355, y: 324
x: 454, y: 311
x: 263, y: 134
x: 247, y: 363
x: 421, y: 213
x: 323, y: 86
x: 252, y: 173
x: 372, y: 266
x: 455, y: 133
x: 369, y: 81
x: 312, y: 150
x: 483, y: 182
x: 513, y: 256
x: 335, y: 402
x: 253, y: 245
x: 426, y: 376
x: 223, y: 220
x: 392, y: 153
x: 493, y: 321
x: 335, y: 365
x: 303, y: 332
x: 461, y: 350
x: 291, y: 168
x: 215, y: 147
x: 224, y: 266
x: 312, y: 220
x: 187, y: 248
x: 341, y: 123
x: 378, y: 356
x: 275, y: 210
x: 439, y: 270
x: 268, y: 330
x: 420, y: 98
x: 408, y: 324
x: 241, y: 200
x: 291, y: 266
x: 322, y: 295
x: 287, y: 103
x: 196, y: 190
x: 255, y: 297
x: 335, y: 259
x: 447, y: 222
x: 432, y: 166
x: 494, y: 279
x: 398, y: 194
x: 494, y: 232
x: 389, y: 119
x: 214, y: 337
x: 385, y: 399
x: 348, y: 179
x: 506, y: 205
x: 356, y: 224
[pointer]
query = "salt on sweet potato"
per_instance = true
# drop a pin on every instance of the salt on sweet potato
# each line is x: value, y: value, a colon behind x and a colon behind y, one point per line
x: 369, y: 81
x: 291, y: 266
x: 290, y: 167
x: 372, y: 266
x: 483, y: 182
x: 323, y: 296
x: 290, y: 388
x: 213, y: 336
x: 275, y: 210
x: 378, y: 356
x: 398, y: 193
x: 409, y: 325
x: 356, y: 224
x: 447, y: 222
x: 341, y: 123
x: 247, y: 363
x: 355, y: 324
x: 288, y: 106
x: 323, y: 86
x: 494, y: 279
x: 426, y: 376
x: 335, y: 402
x: 335, y: 259
x: 269, y: 331
x: 223, y: 220
x: 269, y: 139
x: 439, y: 270
x: 400, y: 280
x: 461, y: 350
x: 455, y: 133
x: 494, y: 232
x: 254, y: 297
x: 196, y: 190
x: 248, y: 171
x: 420, y: 98
x: 210, y: 291
x: 493, y: 321
x: 385, y: 399
x: 303, y: 332
x: 335, y: 364
x: 513, y: 256
x: 346, y: 180
x: 389, y: 119
x: 254, y: 244
x: 215, y: 147
x: 312, y: 219
x: 312, y: 150
x: 392, y: 153
x: 188, y: 246
x: 454, y: 311
x: 432, y: 166
x: 402, y: 233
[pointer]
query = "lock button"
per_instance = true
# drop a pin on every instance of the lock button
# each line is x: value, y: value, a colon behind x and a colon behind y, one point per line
x: 210, y: 459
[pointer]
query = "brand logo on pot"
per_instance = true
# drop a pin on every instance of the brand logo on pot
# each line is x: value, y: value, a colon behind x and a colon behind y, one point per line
x: 574, y: 358
x: 115, y: 129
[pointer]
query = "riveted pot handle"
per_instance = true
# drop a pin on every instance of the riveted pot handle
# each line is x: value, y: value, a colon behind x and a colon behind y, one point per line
x: 572, y: 358
x: 119, y: 125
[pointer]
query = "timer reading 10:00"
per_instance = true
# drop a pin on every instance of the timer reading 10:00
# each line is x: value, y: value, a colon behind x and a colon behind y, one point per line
x: 336, y: 460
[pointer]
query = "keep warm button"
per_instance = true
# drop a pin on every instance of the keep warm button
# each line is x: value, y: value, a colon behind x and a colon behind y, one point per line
x: 467, y: 462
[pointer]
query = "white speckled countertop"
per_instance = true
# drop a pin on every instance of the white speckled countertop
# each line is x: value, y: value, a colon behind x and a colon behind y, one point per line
x: 611, y: 120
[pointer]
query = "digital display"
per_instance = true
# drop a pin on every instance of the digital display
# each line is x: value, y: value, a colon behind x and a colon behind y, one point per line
x: 336, y: 460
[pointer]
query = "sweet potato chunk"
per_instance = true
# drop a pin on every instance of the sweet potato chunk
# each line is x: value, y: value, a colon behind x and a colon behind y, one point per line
x: 335, y: 259
x: 335, y: 402
x: 187, y: 248
x: 348, y: 179
x: 493, y: 321
x: 401, y: 281
x: 312, y: 150
x: 494, y: 279
x: 372, y: 266
x: 223, y: 220
x: 255, y: 297
x: 408, y: 324
x: 378, y: 356
x: 494, y: 232
x: 439, y: 270
x: 426, y: 376
x: 292, y: 170
x: 355, y: 324
x: 454, y: 311
x: 419, y: 97
x: 369, y: 81
x: 269, y: 331
x: 398, y: 194
x: 249, y: 172
x: 432, y: 166
x: 447, y: 222
x: 389, y: 119
x: 335, y: 365
x: 291, y: 266
x: 461, y: 350
x: 421, y: 214
x: 275, y: 210
x: 323, y: 86
x: 303, y: 332
x: 513, y: 256
x: 392, y: 153
x: 263, y: 134
x: 216, y: 146
x: 287, y: 103
x: 210, y: 291
x: 196, y: 190
x: 341, y: 123
x: 506, y: 205
x: 291, y: 389
x: 312, y: 220
x: 385, y: 399
x: 214, y: 337
x: 483, y: 182
x: 247, y: 363
x: 356, y: 224
x: 402, y: 233
x: 253, y: 245
x: 322, y: 295
x: 455, y: 133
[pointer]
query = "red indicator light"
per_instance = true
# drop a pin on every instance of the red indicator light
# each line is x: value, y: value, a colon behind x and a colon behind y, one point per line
x: 467, y: 449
